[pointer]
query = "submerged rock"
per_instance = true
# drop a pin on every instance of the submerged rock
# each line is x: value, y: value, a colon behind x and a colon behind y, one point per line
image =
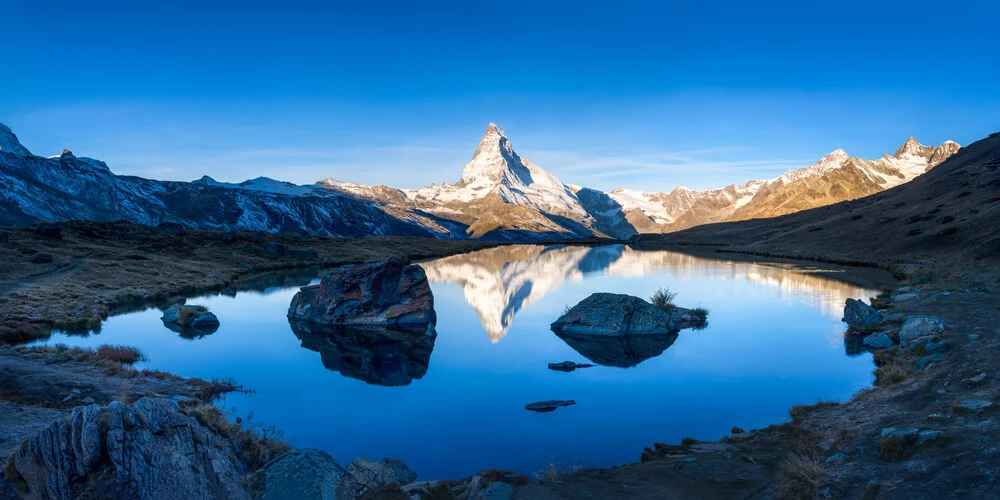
x: 392, y: 292
x: 149, y: 450
x: 614, y: 314
x: 376, y: 355
x: 860, y: 316
x: 547, y: 406
x: 568, y: 366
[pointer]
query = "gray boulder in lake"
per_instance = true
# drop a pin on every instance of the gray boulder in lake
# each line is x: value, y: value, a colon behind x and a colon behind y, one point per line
x: 391, y: 293
x: 191, y: 317
x: 614, y: 314
x: 860, y: 316
x: 149, y: 450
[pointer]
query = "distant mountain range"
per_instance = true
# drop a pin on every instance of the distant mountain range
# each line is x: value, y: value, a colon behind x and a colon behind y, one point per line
x: 500, y: 196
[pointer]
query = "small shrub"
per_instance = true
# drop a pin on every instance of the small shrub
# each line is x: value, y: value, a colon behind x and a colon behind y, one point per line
x: 120, y: 354
x: 800, y: 478
x: 700, y: 312
x: 688, y: 441
x: 187, y: 313
x: 892, y: 372
x: 663, y: 298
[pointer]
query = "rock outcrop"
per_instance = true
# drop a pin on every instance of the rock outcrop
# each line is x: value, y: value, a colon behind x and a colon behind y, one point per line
x: 861, y: 317
x: 149, y: 450
x: 387, y: 293
x: 308, y: 474
x: 614, y: 314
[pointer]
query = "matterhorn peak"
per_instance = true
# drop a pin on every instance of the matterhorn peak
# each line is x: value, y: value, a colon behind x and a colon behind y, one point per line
x: 495, y: 160
x: 9, y: 142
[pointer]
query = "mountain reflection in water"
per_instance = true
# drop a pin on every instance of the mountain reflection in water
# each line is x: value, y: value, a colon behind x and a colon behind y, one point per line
x: 499, y: 282
x: 376, y: 355
x: 623, y: 351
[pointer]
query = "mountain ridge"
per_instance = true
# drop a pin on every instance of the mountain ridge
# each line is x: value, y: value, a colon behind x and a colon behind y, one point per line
x: 500, y: 196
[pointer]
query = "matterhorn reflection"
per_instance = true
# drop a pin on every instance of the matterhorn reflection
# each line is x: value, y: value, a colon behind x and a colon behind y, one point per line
x: 499, y: 282
x: 376, y: 355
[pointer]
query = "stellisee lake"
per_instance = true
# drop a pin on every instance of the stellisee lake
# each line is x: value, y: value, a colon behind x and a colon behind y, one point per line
x: 454, y: 405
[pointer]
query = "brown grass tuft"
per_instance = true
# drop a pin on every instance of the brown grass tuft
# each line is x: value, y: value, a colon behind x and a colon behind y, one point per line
x: 120, y: 354
x: 800, y: 477
x: 892, y: 372
x: 255, y: 444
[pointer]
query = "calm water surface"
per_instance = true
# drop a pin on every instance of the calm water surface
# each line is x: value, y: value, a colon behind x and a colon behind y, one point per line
x: 455, y: 405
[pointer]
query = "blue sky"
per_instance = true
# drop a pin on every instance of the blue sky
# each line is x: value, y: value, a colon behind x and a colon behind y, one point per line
x: 646, y: 95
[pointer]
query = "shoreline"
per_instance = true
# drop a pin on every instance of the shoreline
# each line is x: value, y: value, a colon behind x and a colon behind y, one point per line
x: 747, y: 462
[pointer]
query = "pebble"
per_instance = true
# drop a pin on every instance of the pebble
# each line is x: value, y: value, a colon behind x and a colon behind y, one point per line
x: 978, y: 379
x: 89, y: 400
x: 937, y: 417
x: 839, y: 458
x: 925, y: 361
x: 934, y: 347
x: 69, y: 397
x: 689, y: 460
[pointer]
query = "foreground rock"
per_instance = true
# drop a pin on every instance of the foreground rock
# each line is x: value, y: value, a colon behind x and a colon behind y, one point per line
x: 547, y: 406
x: 568, y: 366
x: 191, y: 318
x: 686, y: 318
x: 149, y: 450
x: 861, y: 317
x: 392, y: 293
x: 614, y: 314
x: 915, y: 328
x: 308, y: 474
x: 376, y: 355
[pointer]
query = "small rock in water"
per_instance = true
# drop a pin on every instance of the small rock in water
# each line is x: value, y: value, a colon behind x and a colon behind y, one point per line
x: 568, y: 366
x: 547, y: 406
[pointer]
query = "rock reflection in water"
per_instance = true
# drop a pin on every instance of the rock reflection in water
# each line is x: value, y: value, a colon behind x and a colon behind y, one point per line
x: 499, y: 282
x: 624, y: 351
x: 376, y: 355
x: 188, y: 332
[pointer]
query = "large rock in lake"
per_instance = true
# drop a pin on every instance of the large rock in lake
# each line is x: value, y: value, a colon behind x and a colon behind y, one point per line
x: 860, y: 316
x: 614, y: 314
x: 149, y: 450
x: 391, y: 293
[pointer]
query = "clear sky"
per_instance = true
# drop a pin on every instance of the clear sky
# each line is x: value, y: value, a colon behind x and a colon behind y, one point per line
x: 646, y: 95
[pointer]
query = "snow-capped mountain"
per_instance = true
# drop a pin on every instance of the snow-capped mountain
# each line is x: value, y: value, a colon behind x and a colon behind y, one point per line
x: 834, y: 178
x: 64, y: 187
x: 502, y: 195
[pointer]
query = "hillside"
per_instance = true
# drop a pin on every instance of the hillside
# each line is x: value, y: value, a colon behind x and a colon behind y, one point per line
x: 953, y: 209
x: 835, y: 177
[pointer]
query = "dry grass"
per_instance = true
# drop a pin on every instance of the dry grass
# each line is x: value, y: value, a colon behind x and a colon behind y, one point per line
x: 555, y: 470
x: 187, y: 313
x: 800, y: 477
x: 799, y: 412
x: 896, y: 447
x: 208, y: 390
x: 892, y: 372
x: 663, y: 298
x: 114, y: 359
x: 255, y: 444
x: 21, y: 332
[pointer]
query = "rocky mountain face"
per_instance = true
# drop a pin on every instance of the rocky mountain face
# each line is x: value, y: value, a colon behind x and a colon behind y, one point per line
x: 834, y: 178
x: 500, y: 196
x: 65, y: 187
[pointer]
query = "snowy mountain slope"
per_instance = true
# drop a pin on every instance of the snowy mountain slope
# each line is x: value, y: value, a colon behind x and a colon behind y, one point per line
x: 835, y: 177
x: 33, y: 189
x: 502, y: 195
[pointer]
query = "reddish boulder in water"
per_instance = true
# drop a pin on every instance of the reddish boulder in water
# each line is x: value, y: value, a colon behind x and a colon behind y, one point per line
x: 392, y: 293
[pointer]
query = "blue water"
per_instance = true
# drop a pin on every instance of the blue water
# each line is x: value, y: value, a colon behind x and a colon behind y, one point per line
x: 774, y: 340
